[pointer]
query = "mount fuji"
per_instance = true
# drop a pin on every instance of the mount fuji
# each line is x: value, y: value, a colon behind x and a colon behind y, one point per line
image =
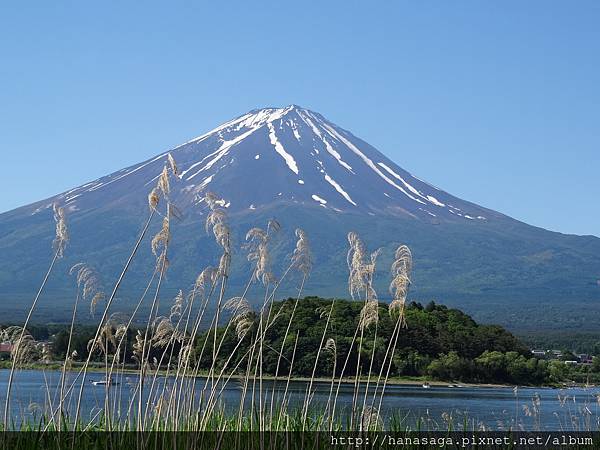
x: 294, y: 165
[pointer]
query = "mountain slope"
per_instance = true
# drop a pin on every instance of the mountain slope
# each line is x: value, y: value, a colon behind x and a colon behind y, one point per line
x: 295, y: 165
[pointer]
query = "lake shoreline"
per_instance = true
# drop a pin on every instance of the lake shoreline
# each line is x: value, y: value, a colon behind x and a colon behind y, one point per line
x: 417, y: 382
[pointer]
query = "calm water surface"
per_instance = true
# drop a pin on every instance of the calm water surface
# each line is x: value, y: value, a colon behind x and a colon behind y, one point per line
x: 495, y: 408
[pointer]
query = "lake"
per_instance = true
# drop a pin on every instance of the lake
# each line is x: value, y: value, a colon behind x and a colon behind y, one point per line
x: 495, y: 408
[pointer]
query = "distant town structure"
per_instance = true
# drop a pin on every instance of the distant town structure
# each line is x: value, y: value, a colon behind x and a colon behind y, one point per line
x: 582, y: 358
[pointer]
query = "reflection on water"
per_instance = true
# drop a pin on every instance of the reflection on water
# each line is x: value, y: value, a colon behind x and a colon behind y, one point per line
x: 490, y: 407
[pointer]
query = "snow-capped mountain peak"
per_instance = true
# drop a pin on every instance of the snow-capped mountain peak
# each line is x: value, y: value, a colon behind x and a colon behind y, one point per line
x: 292, y: 155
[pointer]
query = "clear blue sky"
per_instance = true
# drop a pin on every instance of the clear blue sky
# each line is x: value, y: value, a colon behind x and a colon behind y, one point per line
x: 495, y: 102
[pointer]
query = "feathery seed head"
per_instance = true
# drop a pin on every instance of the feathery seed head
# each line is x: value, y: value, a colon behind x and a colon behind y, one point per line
x: 402, y: 256
x: 238, y: 305
x: 153, y: 199
x: 172, y: 164
x: 330, y: 346
x: 256, y: 234
x: 107, y: 337
x: 46, y: 354
x: 163, y: 186
x: 224, y: 264
x: 242, y: 315
x: 401, y: 270
x: 24, y: 348
x: 354, y: 260
x: 323, y: 311
x: 211, y: 199
x: 97, y: 298
x: 161, y: 240
x: 360, y: 278
x: 302, y: 256
x: 397, y: 308
x: 369, y: 314
x: 88, y: 282
x: 207, y: 277
x: 164, y: 332
x: 273, y: 226
x: 62, y: 234
x: 217, y: 222
x: 215, y: 217
x: 185, y: 353
x: 121, y: 331
x: 242, y: 326
x: 258, y: 252
x: 163, y: 182
x: 178, y: 303
x: 138, y: 347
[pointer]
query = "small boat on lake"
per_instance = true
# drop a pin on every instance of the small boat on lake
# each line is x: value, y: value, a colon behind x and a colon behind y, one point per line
x: 104, y: 382
x: 426, y: 385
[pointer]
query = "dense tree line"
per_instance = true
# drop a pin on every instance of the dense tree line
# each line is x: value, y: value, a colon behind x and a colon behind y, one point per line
x: 437, y: 342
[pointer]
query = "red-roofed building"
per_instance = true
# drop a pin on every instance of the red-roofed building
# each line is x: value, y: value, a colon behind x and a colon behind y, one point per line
x: 6, y: 347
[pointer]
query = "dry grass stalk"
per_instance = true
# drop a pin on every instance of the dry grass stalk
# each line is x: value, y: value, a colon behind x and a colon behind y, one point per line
x: 60, y: 242
x: 309, y: 393
x: 401, y: 271
x: 331, y: 348
x: 370, y: 420
x: 360, y: 281
x: 162, y: 186
x: 161, y: 240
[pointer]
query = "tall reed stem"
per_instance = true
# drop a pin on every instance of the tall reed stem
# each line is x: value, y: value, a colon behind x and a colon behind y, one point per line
x: 107, y: 308
x: 20, y: 341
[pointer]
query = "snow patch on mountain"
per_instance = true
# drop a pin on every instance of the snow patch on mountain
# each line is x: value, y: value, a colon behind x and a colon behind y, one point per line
x: 338, y: 188
x: 289, y: 159
x: 319, y: 199
x: 411, y: 188
x: 328, y: 146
